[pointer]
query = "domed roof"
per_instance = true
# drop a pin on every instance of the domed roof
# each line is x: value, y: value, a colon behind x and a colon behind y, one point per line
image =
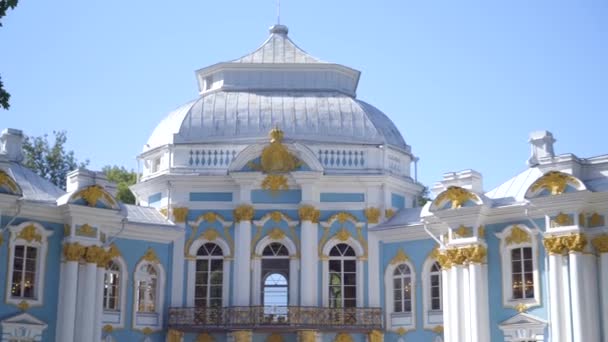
x: 277, y: 85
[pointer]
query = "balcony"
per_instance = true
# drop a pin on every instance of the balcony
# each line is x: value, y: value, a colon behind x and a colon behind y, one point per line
x: 275, y: 318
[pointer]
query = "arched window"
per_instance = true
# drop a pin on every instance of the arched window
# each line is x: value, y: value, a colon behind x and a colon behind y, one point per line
x: 342, y: 277
x: 275, y: 275
x: 147, y: 289
x: 209, y: 276
x: 432, y: 287
x: 275, y: 290
x: 402, y: 280
x: 111, y: 289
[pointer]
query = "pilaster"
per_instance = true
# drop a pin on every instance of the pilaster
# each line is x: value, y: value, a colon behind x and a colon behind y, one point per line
x: 85, y: 321
x: 601, y: 246
x: 243, y: 215
x: 66, y: 316
x: 309, y: 217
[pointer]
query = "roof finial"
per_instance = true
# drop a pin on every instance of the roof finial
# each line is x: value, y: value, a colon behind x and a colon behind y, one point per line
x: 278, y: 12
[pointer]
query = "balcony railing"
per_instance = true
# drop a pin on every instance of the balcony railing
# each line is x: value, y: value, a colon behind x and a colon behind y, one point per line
x: 274, y: 317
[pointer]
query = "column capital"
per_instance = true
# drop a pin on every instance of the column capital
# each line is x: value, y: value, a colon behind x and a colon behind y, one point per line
x: 94, y: 254
x: 576, y: 242
x: 372, y: 214
x: 555, y: 245
x: 73, y: 251
x: 242, y: 335
x: 243, y: 212
x: 375, y: 336
x: 600, y: 243
x: 307, y: 335
x: 174, y: 335
x: 309, y: 213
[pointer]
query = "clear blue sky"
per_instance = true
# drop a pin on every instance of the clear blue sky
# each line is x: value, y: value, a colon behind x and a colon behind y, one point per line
x: 464, y: 81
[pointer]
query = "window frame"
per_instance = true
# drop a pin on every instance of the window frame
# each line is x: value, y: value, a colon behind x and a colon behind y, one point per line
x: 360, y: 280
x: 396, y: 320
x: 431, y: 318
x: 39, y: 240
x: 116, y: 318
x: 508, y: 243
x: 153, y: 320
x: 209, y: 258
x: 191, y: 277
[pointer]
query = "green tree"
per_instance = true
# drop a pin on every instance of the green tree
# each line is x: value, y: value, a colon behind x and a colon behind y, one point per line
x: 5, y: 5
x: 50, y: 159
x: 123, y: 178
x: 423, y: 197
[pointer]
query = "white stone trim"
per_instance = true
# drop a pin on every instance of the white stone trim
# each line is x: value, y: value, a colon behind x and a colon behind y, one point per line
x: 359, y: 252
x: 191, y: 277
x: 149, y: 320
x: 42, y: 247
x: 22, y: 326
x: 117, y: 318
x: 523, y: 327
x: 389, y: 297
x: 506, y: 266
x: 426, y: 295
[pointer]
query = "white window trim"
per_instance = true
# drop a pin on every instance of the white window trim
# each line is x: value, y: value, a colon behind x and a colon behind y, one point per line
x: 160, y: 298
x: 389, y: 295
x: 42, y: 246
x: 523, y: 327
x: 256, y: 264
x: 24, y: 326
x: 191, y: 279
x: 507, y: 273
x: 426, y: 294
x: 359, y: 252
x: 117, y: 318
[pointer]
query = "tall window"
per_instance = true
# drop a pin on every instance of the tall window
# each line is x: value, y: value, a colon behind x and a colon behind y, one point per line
x: 402, y: 280
x: 147, y: 282
x: 342, y: 277
x: 209, y: 276
x: 522, y: 273
x: 111, y: 290
x: 275, y: 275
x: 435, y: 283
x: 25, y: 261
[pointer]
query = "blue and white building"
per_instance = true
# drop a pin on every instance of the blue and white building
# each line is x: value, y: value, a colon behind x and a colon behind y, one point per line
x: 279, y: 207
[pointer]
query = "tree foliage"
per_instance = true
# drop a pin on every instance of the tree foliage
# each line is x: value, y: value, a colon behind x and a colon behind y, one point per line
x: 5, y: 5
x: 123, y: 178
x: 50, y: 159
x: 423, y: 197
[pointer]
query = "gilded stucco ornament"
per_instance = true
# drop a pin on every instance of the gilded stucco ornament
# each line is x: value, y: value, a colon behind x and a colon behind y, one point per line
x: 242, y: 336
x: 276, y: 216
x: 521, y: 307
x: 372, y: 214
x: 86, y: 230
x: 457, y: 197
x: 73, y: 251
x: 164, y: 211
x: 375, y: 336
x: 174, y: 335
x: 23, y: 305
x: 275, y: 183
x: 7, y: 182
x: 309, y: 213
x: 342, y: 217
x: 575, y: 243
x: 307, y: 335
x: 343, y: 234
x: 596, y: 220
x: 343, y: 337
x: 210, y: 234
x: 111, y: 253
x: 481, y: 231
x: 108, y: 328
x: 600, y: 243
x: 150, y: 256
x: 92, y: 194
x: 276, y: 234
x: 389, y: 213
x: 443, y: 260
x: 94, y: 254
x: 274, y: 337
x: 180, y: 214
x: 554, y: 182
x: 555, y: 244
x: 29, y: 234
x: 243, y: 213
x: 463, y: 232
x: 399, y: 258
x: 438, y: 329
x: 205, y: 337
x: 476, y: 254
x: 518, y: 235
x: 561, y: 220
x: 401, y: 331
x: 147, y: 331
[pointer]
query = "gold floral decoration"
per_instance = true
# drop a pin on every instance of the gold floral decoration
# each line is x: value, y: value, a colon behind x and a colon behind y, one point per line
x: 481, y: 232
x: 67, y: 231
x: 73, y: 251
x: 180, y: 214
x: 29, y: 234
x: 274, y: 337
x: 87, y: 231
x: 438, y: 329
x: 555, y: 245
x: 399, y: 258
x: 147, y: 331
x: 600, y: 243
x: 205, y: 337
x: 276, y: 216
x: 276, y: 234
x: 582, y: 220
x: 94, y: 254
x: 576, y: 242
x: 242, y: 336
x: 561, y: 220
x: 375, y: 336
x: 108, y: 328
x: 555, y: 182
x: 92, y: 194
x: 389, y: 213
x: 150, y: 256
x: 210, y: 217
x: 343, y: 337
x: 210, y: 234
x: 463, y: 232
x: 323, y: 241
x: 372, y: 214
x: 174, y: 335
x: 342, y: 217
x: 309, y: 213
x: 9, y: 183
x: 307, y: 335
x: 476, y: 254
x: 23, y: 305
x: 596, y: 220
x: 457, y: 197
x: 243, y: 213
x: 343, y: 234
x: 401, y: 331
x: 275, y: 183
x: 518, y: 235
x: 521, y: 307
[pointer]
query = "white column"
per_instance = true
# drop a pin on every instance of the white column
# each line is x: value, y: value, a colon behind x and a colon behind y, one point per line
x: 465, y: 303
x: 455, y: 298
x: 293, y: 279
x: 478, y: 303
x: 177, y: 272
x: 603, y: 273
x: 580, y: 313
x: 373, y: 266
x: 565, y: 297
x: 484, y: 309
x: 309, y: 262
x: 591, y: 294
x: 67, y: 314
x: 101, y: 271
x: 446, y: 284
x: 85, y: 321
x: 242, y: 264
x: 256, y: 281
x: 555, y: 291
